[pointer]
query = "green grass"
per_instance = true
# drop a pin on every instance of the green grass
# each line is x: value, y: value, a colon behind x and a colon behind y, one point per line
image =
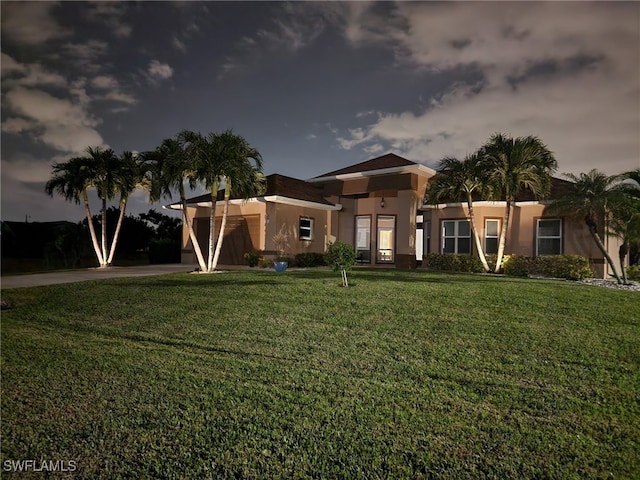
x: 258, y: 375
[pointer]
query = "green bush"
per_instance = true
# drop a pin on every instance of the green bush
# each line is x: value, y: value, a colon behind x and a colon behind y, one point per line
x: 451, y: 262
x: 309, y: 259
x: 573, y: 267
x: 341, y: 257
x: 251, y: 258
x: 516, y: 265
x: 265, y: 263
x: 633, y: 272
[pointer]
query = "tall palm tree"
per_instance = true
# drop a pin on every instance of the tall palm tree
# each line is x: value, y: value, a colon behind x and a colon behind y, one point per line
x: 513, y: 165
x: 208, y: 153
x: 129, y: 175
x: 169, y: 166
x: 72, y: 179
x: 243, y: 178
x: 226, y: 158
x: 460, y: 180
x: 590, y: 197
x: 625, y: 214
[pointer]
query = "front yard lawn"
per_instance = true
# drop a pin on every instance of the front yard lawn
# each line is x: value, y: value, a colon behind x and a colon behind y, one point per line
x: 253, y: 374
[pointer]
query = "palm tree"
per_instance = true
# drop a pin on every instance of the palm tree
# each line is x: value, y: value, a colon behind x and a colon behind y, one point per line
x: 460, y: 180
x: 104, y: 165
x: 513, y: 165
x: 130, y: 174
x: 169, y: 166
x: 72, y: 179
x: 242, y: 177
x: 625, y: 214
x: 226, y: 158
x: 208, y: 154
x: 590, y: 197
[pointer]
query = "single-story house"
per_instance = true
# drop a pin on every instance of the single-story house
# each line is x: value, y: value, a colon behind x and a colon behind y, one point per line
x: 378, y: 207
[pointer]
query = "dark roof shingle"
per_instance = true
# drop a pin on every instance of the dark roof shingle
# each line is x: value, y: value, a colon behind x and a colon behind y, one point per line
x: 277, y: 185
x: 390, y: 160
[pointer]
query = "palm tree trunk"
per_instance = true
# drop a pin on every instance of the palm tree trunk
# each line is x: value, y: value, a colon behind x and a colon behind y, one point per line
x: 622, y: 254
x: 503, y: 236
x: 92, y: 230
x: 603, y: 250
x: 114, y: 242
x: 192, y: 236
x: 104, y: 233
x: 225, y: 211
x: 211, y: 263
x: 476, y: 237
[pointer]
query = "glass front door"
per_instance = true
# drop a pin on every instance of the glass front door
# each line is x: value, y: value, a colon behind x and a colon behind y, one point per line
x: 386, y: 239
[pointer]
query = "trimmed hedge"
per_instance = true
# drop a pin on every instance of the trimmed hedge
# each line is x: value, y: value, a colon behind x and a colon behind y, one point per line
x: 573, y: 267
x: 633, y: 272
x: 309, y: 259
x: 516, y: 265
x: 451, y: 262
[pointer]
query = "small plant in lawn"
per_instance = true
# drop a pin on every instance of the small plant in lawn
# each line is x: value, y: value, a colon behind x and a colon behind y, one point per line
x: 341, y: 257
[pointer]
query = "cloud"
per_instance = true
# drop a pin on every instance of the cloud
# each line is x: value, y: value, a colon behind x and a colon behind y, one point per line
x: 88, y: 55
x: 57, y: 122
x: 31, y: 23
x: 161, y: 71
x: 112, y: 15
x: 567, y: 73
x: 32, y: 74
x: 112, y: 89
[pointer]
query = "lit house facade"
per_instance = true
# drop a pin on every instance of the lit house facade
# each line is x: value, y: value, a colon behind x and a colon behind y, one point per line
x: 378, y: 207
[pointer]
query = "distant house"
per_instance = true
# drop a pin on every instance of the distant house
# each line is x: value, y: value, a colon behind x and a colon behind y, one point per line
x: 378, y: 207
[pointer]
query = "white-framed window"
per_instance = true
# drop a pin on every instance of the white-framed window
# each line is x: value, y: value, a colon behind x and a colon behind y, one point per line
x: 305, y: 228
x: 491, y: 236
x: 549, y: 236
x: 456, y: 236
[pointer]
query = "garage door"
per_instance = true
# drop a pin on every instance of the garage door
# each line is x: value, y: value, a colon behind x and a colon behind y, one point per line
x: 241, y: 235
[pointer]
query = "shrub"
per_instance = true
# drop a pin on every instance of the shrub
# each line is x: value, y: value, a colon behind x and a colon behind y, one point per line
x: 251, y: 258
x: 265, y: 263
x: 516, y: 265
x: 451, y: 262
x: 573, y: 267
x: 633, y: 272
x: 341, y: 257
x: 309, y: 259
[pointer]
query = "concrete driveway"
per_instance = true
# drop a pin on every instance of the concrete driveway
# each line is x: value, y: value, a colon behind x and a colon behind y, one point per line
x: 70, y: 276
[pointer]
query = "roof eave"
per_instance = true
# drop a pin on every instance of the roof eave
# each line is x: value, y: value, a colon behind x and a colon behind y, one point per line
x: 418, y: 168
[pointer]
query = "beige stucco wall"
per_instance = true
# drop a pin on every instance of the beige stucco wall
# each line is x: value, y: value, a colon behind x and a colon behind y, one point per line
x: 287, y: 218
x: 521, y: 237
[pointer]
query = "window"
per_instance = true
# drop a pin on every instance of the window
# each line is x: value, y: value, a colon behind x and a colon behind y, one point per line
x: 456, y: 236
x: 491, y: 236
x: 549, y: 236
x: 305, y: 230
x: 386, y: 234
x: 363, y: 238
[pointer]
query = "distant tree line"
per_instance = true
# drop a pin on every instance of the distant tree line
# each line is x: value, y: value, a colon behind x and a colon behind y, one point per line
x: 64, y: 244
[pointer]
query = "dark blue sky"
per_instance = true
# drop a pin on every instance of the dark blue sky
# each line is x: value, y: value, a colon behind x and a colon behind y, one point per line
x: 314, y: 86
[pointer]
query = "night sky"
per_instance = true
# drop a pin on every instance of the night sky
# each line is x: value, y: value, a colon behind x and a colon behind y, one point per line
x: 313, y: 86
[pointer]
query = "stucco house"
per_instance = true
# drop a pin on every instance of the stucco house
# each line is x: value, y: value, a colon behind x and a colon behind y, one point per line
x: 378, y: 207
